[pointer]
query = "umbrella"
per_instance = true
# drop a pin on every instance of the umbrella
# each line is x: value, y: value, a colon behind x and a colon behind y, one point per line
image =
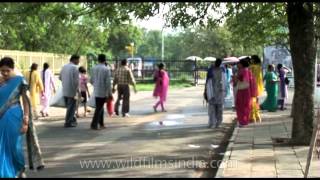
x: 193, y: 58
x: 230, y: 60
x: 209, y: 59
x: 242, y: 57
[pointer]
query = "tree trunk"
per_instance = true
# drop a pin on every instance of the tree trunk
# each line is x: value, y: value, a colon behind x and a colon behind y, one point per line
x: 303, y: 52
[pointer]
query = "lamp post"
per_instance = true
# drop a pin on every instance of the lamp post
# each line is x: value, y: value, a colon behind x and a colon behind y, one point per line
x: 162, y: 45
x: 132, y: 49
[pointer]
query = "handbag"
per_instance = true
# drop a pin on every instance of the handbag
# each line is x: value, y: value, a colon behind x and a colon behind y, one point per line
x: 242, y: 85
x: 287, y: 81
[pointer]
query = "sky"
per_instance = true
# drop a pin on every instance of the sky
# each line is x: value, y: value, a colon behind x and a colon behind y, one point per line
x: 157, y: 22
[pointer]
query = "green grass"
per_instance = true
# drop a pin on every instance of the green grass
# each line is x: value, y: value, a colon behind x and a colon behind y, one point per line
x: 174, y: 84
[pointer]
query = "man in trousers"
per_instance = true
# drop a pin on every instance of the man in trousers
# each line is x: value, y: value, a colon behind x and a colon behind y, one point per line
x: 101, y: 81
x: 123, y: 77
x: 69, y: 76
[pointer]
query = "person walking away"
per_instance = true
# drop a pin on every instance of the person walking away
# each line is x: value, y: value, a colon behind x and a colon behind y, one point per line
x: 14, y: 123
x: 161, y: 87
x: 256, y: 70
x: 228, y: 80
x: 271, y: 79
x: 69, y: 76
x: 36, y: 87
x: 84, y: 90
x: 101, y: 81
x: 123, y: 77
x: 243, y: 96
x: 215, y: 90
x: 283, y: 86
x: 49, y: 87
x: 234, y: 82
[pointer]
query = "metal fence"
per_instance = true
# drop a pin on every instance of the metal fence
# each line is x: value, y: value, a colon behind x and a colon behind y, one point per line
x: 178, y: 70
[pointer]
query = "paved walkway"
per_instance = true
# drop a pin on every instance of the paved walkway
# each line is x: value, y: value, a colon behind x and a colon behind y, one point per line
x: 138, y: 146
x: 58, y: 113
x: 252, y: 152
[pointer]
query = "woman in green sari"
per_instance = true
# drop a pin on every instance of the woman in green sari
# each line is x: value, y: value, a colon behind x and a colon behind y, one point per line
x: 271, y: 79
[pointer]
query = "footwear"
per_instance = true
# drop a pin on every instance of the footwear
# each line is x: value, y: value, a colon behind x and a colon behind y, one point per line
x: 154, y: 109
x: 22, y: 175
x: 125, y: 115
x: 117, y: 113
x: 41, y: 167
x: 94, y: 128
x: 42, y: 114
x: 47, y: 114
x: 164, y: 110
x: 103, y: 127
x: 70, y: 125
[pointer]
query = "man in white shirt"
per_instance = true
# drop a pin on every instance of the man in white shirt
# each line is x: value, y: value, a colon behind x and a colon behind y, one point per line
x: 101, y: 81
x: 69, y: 76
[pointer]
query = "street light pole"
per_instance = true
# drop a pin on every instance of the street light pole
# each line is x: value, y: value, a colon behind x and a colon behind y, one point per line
x: 162, y: 45
x: 132, y: 49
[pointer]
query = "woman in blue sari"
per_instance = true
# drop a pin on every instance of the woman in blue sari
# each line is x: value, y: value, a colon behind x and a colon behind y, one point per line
x: 14, y: 123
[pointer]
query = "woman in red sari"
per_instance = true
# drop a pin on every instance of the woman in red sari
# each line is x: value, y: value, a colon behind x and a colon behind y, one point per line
x: 243, y: 97
x: 161, y: 87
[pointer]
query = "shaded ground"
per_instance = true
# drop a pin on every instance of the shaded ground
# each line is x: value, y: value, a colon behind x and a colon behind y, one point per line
x: 138, y: 146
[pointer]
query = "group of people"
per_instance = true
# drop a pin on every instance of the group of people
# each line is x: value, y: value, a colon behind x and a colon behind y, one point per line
x: 41, y: 87
x: 103, y: 88
x: 30, y: 86
x: 247, y: 81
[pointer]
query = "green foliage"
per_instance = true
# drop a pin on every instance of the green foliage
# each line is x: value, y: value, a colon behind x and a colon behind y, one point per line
x: 151, y: 45
x: 121, y: 36
x: 257, y: 24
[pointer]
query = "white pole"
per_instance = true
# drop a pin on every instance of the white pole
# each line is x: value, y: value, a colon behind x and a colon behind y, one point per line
x: 162, y: 45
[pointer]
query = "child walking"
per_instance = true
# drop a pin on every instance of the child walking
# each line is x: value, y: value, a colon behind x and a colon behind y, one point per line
x: 83, y: 85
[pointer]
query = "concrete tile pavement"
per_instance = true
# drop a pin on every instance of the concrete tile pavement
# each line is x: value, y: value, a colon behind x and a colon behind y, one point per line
x: 252, y: 152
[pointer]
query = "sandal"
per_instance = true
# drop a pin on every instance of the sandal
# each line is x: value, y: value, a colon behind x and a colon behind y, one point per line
x: 42, y: 114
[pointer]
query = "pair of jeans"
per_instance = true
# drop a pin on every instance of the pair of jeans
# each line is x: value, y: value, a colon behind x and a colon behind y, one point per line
x: 71, y: 104
x: 98, y: 116
x: 124, y: 94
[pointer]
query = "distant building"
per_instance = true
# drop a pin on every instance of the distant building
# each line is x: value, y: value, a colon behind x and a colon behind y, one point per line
x: 276, y: 55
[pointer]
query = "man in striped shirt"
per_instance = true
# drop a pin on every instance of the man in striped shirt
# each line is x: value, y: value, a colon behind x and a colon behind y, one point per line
x: 123, y: 77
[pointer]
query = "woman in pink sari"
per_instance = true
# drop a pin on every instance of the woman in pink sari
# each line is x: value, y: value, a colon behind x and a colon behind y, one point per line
x: 49, y: 87
x: 243, y: 97
x: 161, y: 87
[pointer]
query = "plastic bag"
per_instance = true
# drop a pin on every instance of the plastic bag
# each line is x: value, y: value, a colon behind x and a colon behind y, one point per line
x: 109, y: 106
x: 58, y: 99
x: 92, y: 102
